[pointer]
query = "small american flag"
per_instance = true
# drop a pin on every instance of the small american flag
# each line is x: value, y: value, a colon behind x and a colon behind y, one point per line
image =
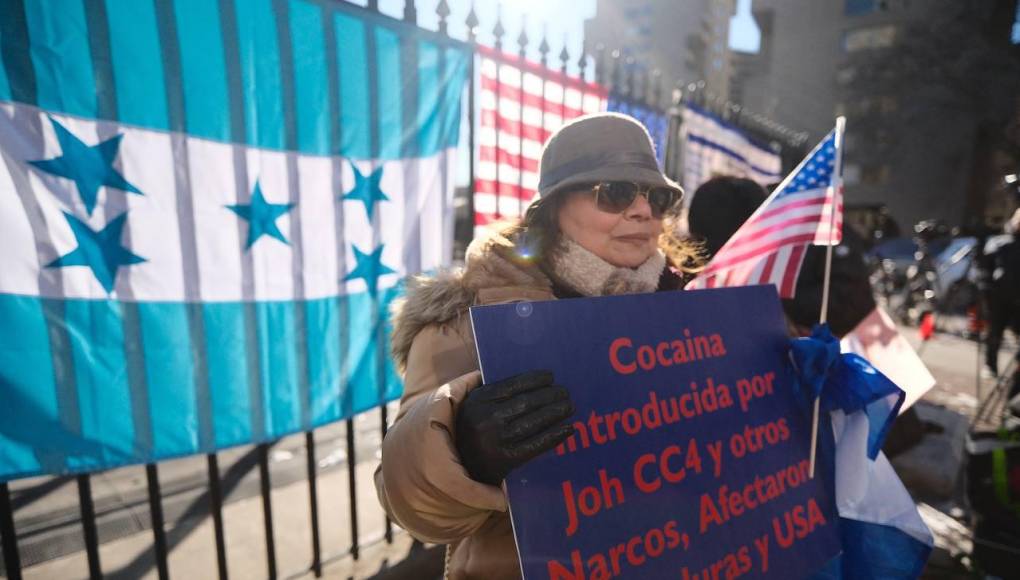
x: 769, y: 247
x: 513, y: 130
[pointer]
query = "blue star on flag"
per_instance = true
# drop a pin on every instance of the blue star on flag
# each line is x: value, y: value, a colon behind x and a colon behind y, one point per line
x: 101, y: 251
x: 88, y: 166
x: 366, y: 189
x: 261, y: 216
x: 369, y: 268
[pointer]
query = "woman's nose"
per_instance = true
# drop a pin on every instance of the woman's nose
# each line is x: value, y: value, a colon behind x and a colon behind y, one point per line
x: 639, y: 209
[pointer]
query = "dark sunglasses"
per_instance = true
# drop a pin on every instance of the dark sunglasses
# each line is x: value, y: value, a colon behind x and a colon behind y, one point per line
x: 617, y: 196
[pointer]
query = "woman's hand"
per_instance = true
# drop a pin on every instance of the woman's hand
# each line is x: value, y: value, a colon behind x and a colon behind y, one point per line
x: 502, y: 425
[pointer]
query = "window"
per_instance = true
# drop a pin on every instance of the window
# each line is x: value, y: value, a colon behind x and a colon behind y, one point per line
x: 851, y: 174
x: 858, y: 7
x: 869, y: 38
x: 846, y: 75
x: 875, y: 175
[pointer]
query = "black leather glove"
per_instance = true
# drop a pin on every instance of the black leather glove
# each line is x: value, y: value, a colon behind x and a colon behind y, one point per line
x: 502, y: 425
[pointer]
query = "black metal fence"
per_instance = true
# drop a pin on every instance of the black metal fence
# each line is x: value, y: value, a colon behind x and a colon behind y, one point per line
x: 625, y: 82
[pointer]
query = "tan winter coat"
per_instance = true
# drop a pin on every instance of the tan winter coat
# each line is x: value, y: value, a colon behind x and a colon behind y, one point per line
x: 421, y: 482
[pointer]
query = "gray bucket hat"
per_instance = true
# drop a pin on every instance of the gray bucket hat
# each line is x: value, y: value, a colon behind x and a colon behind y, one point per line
x: 599, y: 147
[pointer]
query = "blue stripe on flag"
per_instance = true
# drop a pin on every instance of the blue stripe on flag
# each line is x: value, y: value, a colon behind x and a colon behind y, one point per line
x: 170, y: 375
x: 278, y: 368
x: 104, y: 398
x: 228, y: 372
x: 323, y: 329
x: 354, y: 90
x: 310, y: 77
x: 203, y: 70
x: 63, y: 66
x: 362, y: 352
x: 456, y: 71
x: 16, y: 60
x: 5, y: 85
x: 27, y: 415
x: 35, y: 440
x: 874, y: 552
x: 61, y: 57
x: 391, y: 81
x: 430, y: 106
x: 727, y: 151
x: 260, y: 73
x: 137, y: 62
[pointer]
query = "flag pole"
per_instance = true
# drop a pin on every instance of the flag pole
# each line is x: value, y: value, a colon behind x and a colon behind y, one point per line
x: 836, y: 184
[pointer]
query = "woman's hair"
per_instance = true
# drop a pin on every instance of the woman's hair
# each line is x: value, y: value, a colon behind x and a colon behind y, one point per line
x: 538, y: 233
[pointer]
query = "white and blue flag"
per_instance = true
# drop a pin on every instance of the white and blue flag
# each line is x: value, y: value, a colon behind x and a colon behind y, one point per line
x: 205, y: 210
x: 713, y: 146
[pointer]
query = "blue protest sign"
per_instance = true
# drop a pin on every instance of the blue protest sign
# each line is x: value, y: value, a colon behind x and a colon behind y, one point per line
x: 690, y: 454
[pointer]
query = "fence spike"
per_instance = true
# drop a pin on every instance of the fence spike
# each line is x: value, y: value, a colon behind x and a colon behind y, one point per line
x: 543, y: 47
x: 522, y: 38
x: 472, y: 24
x: 614, y: 72
x: 582, y: 61
x: 410, y: 12
x: 564, y: 55
x: 373, y: 5
x: 498, y: 31
x: 443, y: 11
x: 629, y: 70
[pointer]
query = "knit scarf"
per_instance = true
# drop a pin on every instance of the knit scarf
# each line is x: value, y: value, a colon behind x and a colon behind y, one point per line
x: 590, y: 275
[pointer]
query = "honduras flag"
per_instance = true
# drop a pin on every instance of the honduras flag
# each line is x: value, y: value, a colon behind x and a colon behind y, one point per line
x: 205, y: 209
x: 883, y: 535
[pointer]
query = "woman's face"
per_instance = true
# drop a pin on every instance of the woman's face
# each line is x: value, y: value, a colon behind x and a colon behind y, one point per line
x: 625, y: 240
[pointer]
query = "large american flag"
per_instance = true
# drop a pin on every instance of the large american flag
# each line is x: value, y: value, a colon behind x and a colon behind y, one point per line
x: 769, y: 247
x: 513, y: 129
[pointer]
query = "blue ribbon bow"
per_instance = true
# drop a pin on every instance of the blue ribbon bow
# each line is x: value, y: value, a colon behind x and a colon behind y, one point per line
x: 845, y: 381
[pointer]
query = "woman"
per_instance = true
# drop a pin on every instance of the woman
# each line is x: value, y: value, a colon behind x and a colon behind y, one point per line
x: 599, y: 227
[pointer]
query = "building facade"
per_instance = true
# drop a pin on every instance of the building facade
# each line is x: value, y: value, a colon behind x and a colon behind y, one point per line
x: 891, y: 67
x: 687, y: 41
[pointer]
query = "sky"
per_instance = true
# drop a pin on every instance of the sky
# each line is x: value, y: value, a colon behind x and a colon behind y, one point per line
x: 564, y: 20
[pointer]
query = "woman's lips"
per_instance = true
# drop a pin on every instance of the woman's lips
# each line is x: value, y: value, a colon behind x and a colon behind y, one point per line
x: 635, y: 238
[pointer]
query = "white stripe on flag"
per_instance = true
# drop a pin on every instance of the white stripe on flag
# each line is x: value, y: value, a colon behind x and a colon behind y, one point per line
x: 153, y: 228
x: 271, y: 258
x: 161, y: 276
x: 219, y: 241
x: 318, y: 224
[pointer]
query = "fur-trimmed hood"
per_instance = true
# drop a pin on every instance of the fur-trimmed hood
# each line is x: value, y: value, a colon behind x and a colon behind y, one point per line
x: 492, y: 262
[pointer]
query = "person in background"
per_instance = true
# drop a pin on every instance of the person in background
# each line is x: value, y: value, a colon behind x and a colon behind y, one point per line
x: 1000, y: 284
x: 722, y: 204
x: 599, y: 227
x: 718, y: 209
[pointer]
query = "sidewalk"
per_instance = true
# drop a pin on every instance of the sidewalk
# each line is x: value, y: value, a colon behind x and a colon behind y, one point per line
x: 51, y: 539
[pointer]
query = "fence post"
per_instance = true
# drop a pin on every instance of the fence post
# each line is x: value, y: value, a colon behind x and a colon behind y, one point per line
x: 410, y: 12
x: 522, y: 53
x: 313, y: 501
x: 352, y: 489
x: 267, y: 508
x: 216, y: 507
x: 156, y: 515
x: 472, y: 33
x: 88, y: 524
x: 497, y: 32
x: 674, y: 147
x: 12, y: 560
